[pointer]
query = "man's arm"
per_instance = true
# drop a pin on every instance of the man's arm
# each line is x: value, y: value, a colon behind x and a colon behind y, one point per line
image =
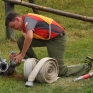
x: 27, y: 42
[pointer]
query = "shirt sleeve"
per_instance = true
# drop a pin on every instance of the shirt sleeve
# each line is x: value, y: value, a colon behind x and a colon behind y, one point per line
x: 30, y: 23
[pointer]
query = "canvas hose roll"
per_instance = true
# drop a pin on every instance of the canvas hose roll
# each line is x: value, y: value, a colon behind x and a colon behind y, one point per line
x: 45, y: 70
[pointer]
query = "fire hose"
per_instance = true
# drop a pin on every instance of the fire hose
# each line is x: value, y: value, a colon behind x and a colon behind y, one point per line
x: 7, y: 69
x: 3, y: 65
x: 45, y: 71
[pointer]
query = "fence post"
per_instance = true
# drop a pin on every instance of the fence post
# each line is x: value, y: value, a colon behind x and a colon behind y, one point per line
x: 34, y: 10
x: 9, y: 31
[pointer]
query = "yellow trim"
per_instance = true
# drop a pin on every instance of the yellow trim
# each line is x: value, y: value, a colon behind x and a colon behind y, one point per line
x: 46, y: 19
x: 39, y: 37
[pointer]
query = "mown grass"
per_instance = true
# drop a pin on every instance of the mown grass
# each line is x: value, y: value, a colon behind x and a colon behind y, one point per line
x: 79, y: 45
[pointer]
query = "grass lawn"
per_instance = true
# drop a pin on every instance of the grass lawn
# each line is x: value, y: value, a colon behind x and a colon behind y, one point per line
x: 79, y: 45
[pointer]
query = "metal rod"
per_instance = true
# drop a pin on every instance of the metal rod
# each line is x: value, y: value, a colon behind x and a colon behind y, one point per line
x: 51, y: 10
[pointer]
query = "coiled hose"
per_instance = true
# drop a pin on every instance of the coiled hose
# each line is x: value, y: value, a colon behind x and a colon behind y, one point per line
x: 45, y: 71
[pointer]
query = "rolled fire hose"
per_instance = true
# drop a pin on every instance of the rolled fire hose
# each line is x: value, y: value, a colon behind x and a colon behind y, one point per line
x: 45, y: 71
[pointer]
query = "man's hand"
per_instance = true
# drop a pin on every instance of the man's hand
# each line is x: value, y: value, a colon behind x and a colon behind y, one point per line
x: 18, y: 58
x: 11, y: 56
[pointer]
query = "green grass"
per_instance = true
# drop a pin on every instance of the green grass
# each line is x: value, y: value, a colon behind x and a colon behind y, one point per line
x: 79, y: 45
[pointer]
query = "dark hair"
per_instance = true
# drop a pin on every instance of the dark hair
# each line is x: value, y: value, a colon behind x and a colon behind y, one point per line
x: 10, y: 17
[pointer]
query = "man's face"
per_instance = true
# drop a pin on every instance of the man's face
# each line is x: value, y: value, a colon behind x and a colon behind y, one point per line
x: 16, y: 24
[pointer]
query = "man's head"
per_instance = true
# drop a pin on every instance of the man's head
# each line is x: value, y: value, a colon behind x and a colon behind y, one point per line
x: 14, y: 21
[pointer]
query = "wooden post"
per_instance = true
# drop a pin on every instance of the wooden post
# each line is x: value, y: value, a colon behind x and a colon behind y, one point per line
x: 9, y: 31
x: 54, y: 11
x: 34, y: 10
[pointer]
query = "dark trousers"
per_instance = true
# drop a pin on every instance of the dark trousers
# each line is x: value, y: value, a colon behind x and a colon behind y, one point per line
x: 56, y: 49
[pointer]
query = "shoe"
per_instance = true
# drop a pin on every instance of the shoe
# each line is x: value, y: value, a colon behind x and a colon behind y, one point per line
x: 29, y: 84
x: 88, y: 62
